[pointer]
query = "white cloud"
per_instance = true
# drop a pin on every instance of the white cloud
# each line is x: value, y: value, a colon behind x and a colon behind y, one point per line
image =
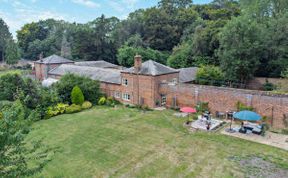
x: 23, y: 14
x: 130, y: 3
x: 122, y: 5
x: 117, y: 6
x: 87, y: 3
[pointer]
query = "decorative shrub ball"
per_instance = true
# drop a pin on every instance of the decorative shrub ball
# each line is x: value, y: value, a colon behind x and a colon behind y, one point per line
x: 86, y: 105
x: 73, y: 109
x: 102, y: 101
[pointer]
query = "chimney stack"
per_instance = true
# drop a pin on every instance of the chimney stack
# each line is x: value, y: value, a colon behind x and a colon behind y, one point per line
x: 137, y: 62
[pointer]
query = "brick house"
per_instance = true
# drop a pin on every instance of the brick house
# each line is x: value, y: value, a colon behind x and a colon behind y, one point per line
x: 154, y: 84
x: 136, y: 85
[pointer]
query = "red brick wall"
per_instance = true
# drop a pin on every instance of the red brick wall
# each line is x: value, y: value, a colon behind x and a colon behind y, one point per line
x: 142, y: 88
x: 224, y: 99
x: 38, y: 71
x: 168, y: 78
x: 41, y: 70
x: 139, y: 86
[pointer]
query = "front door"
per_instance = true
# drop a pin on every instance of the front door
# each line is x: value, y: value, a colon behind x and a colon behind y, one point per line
x: 163, y: 100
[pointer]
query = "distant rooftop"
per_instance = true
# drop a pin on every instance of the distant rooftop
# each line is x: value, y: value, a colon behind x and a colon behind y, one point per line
x: 95, y: 73
x: 101, y: 64
x: 187, y: 74
x: 54, y: 59
x: 152, y: 68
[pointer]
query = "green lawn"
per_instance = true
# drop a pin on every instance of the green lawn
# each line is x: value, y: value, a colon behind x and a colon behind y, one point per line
x: 108, y: 142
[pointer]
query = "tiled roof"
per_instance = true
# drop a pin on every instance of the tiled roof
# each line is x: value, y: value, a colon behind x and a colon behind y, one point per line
x: 152, y: 68
x: 54, y: 59
x: 187, y: 74
x: 95, y: 73
x: 101, y: 64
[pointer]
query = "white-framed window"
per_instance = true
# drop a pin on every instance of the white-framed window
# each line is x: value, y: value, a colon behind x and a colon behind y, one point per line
x: 126, y: 97
x: 125, y: 81
x: 163, y: 100
x: 174, y: 80
x: 117, y: 94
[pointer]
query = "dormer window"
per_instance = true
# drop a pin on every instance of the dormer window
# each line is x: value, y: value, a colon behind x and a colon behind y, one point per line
x: 125, y: 81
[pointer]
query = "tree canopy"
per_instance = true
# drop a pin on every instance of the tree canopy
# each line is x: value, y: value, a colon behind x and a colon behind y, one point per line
x: 174, y: 32
x: 5, y: 36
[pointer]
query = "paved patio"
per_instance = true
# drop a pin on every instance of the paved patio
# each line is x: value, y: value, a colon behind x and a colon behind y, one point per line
x: 202, y: 124
x: 272, y: 139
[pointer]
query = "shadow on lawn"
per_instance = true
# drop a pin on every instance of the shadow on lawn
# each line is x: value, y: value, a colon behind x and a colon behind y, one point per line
x: 254, y: 166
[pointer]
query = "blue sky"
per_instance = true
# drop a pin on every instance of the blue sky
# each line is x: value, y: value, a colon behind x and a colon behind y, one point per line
x: 18, y: 12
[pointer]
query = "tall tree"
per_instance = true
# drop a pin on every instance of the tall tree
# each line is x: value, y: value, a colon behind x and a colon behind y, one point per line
x: 262, y: 9
x: 125, y: 55
x: 12, y: 53
x: 160, y: 33
x: 273, y: 16
x: 14, y: 154
x: 103, y: 43
x: 5, y: 35
x: 240, y: 44
x: 133, y: 25
x: 200, y: 40
x: 274, y: 57
x: 171, y: 5
x: 43, y: 36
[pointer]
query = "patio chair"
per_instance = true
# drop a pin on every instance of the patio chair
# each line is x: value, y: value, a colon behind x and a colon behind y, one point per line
x: 257, y: 130
x: 220, y: 115
x: 243, y: 130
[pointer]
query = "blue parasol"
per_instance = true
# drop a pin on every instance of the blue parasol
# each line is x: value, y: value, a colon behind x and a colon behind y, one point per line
x: 247, y: 116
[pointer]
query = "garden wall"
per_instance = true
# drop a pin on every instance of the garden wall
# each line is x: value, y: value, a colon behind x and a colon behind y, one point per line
x: 258, y: 82
x: 225, y: 99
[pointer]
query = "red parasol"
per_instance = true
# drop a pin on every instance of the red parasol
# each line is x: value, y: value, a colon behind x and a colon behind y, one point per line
x: 188, y: 110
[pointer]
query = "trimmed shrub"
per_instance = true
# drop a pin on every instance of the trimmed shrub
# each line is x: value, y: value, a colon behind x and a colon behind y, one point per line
x: 61, y: 107
x: 89, y: 87
x: 77, y: 96
x: 86, y: 105
x: 102, y: 101
x: 73, y: 109
x: 52, y: 111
